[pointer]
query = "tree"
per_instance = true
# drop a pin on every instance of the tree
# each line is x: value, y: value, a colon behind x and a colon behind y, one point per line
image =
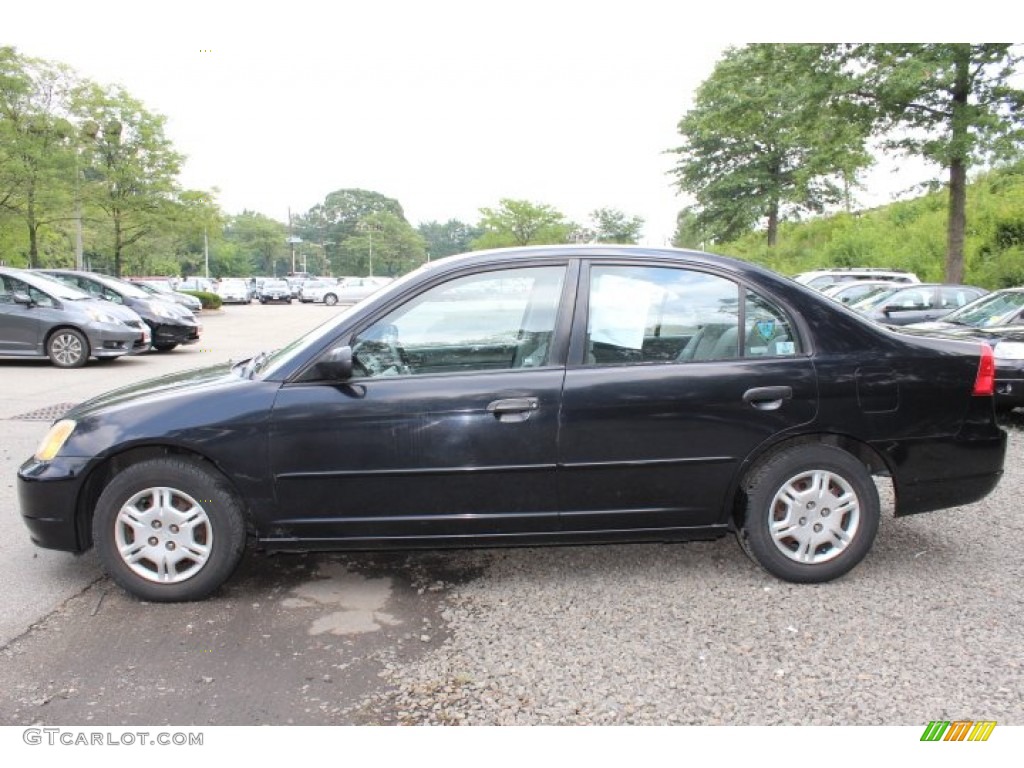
x: 689, y: 232
x: 384, y: 244
x: 610, y: 225
x: 259, y: 239
x: 447, y: 239
x: 131, y: 167
x: 949, y: 103
x: 770, y: 135
x: 37, y: 144
x: 520, y: 222
x: 331, y: 223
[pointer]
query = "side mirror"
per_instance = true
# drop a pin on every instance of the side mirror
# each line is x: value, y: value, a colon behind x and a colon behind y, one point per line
x: 336, y: 364
x: 21, y: 297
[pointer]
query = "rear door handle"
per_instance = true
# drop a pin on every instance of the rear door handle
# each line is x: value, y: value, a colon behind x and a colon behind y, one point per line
x: 767, y: 398
x: 513, y: 409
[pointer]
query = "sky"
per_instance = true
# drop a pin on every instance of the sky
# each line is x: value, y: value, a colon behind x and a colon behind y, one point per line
x: 446, y: 106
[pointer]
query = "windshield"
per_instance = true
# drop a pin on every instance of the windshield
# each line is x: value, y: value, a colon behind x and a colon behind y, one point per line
x: 56, y: 288
x: 992, y: 310
x: 874, y: 299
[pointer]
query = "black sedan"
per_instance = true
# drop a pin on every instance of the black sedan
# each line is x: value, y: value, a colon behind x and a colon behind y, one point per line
x: 169, y: 323
x: 998, y: 320
x: 547, y: 395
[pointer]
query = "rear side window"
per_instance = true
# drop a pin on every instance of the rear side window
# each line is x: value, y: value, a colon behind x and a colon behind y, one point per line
x: 643, y: 315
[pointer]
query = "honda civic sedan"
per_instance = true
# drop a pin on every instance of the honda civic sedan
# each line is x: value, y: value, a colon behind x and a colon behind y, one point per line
x: 530, y: 396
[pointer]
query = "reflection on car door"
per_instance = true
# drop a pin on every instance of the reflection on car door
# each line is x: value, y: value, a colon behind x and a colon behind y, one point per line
x: 678, y: 377
x: 449, y: 428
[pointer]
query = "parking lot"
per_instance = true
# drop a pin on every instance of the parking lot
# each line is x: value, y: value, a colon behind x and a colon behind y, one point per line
x: 926, y: 628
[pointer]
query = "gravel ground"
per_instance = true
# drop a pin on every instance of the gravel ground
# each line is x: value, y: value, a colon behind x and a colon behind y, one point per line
x: 926, y: 628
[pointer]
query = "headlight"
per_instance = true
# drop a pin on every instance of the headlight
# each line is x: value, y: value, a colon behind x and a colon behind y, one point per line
x: 101, y: 317
x: 1009, y: 350
x: 55, y: 439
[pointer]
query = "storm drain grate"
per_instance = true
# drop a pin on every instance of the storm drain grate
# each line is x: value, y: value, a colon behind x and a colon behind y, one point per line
x: 49, y: 413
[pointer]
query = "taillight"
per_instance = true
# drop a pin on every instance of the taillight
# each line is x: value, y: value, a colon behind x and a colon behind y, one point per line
x: 985, y: 381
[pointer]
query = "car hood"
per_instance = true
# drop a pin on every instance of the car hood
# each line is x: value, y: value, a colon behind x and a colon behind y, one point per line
x: 179, y: 385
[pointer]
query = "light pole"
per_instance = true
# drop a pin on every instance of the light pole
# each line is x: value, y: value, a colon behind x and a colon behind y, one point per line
x: 369, y: 228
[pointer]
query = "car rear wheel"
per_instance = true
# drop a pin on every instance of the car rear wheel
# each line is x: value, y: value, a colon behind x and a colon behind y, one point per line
x: 812, y: 513
x: 164, y: 347
x: 330, y: 299
x: 169, y: 530
x: 68, y: 348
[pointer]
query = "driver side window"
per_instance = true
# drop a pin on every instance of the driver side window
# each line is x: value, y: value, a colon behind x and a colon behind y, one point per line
x: 494, y: 320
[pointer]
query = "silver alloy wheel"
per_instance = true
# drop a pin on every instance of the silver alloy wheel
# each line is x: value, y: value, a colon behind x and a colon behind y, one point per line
x: 67, y: 349
x: 814, y: 516
x: 163, y: 535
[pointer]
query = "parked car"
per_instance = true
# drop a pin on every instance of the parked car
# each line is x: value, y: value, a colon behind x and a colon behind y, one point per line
x: 852, y: 291
x: 160, y: 288
x: 530, y: 396
x: 314, y: 290
x: 822, y: 278
x: 918, y: 303
x: 196, y: 284
x: 354, y: 289
x: 233, y: 291
x: 998, y: 320
x: 275, y: 289
x: 42, y: 317
x: 169, y: 323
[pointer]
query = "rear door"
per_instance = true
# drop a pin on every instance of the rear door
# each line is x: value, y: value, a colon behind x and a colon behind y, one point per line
x: 675, y: 376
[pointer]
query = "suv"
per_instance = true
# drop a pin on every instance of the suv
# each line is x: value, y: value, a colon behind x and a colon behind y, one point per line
x: 821, y: 278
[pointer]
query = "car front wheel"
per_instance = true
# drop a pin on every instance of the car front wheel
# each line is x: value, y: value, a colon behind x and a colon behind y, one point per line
x: 68, y: 348
x: 169, y: 529
x: 330, y: 299
x: 812, y: 513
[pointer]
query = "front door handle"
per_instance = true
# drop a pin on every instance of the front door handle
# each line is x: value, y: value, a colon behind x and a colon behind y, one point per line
x: 513, y: 409
x: 767, y: 398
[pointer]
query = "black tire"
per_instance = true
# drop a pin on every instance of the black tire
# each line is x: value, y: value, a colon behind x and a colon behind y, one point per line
x: 824, y: 523
x: 67, y: 348
x: 330, y: 299
x: 164, y: 347
x: 159, y: 497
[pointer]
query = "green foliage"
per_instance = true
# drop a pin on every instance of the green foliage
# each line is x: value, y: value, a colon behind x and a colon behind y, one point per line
x: 771, y: 135
x: 209, y: 300
x: 610, y: 225
x: 520, y: 222
x: 447, y: 239
x: 257, y: 242
x: 950, y: 103
x: 383, y: 244
x: 333, y: 226
x: 37, y: 146
x: 908, y: 235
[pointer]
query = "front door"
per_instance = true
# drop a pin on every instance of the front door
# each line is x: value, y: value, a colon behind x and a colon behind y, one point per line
x: 448, y: 428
